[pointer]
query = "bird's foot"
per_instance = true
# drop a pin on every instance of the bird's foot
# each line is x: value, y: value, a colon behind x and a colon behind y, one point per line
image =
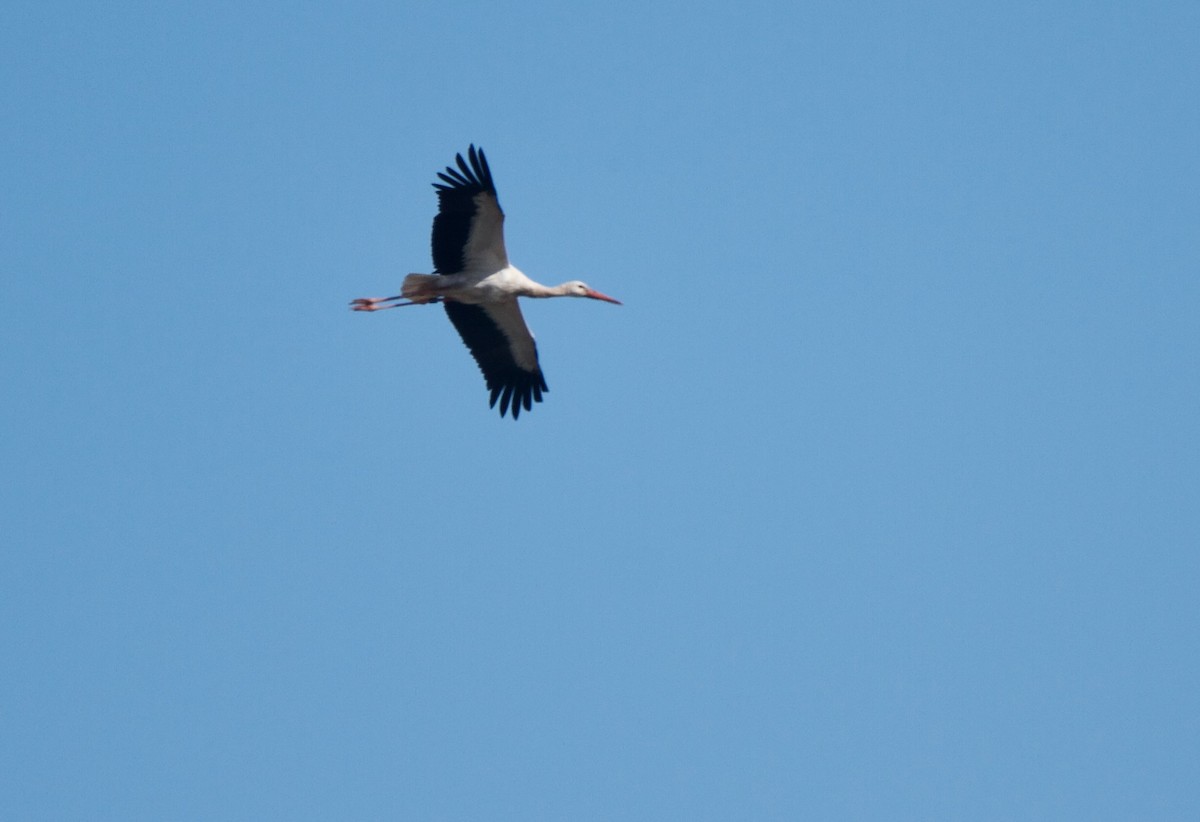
x: 371, y: 303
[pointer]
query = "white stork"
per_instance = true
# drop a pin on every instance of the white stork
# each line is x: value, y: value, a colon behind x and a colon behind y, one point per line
x: 479, y: 287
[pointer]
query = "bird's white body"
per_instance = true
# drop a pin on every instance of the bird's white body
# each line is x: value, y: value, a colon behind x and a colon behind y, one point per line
x: 479, y: 287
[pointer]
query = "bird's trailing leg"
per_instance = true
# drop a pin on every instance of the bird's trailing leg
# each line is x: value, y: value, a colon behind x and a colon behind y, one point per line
x: 377, y: 303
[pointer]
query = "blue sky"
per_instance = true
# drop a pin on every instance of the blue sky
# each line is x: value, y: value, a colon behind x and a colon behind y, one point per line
x: 876, y: 499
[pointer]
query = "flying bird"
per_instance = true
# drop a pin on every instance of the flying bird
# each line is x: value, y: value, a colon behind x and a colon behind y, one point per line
x: 479, y: 288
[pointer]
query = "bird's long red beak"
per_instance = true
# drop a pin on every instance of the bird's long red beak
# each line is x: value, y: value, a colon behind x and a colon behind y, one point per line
x: 596, y: 295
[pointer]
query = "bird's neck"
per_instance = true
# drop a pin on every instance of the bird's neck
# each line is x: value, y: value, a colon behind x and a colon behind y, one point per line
x: 519, y: 283
x: 516, y: 282
x: 539, y: 290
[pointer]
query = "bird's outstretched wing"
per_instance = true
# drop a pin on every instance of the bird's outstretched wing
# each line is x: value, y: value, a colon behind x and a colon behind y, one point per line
x: 468, y: 231
x: 500, y: 342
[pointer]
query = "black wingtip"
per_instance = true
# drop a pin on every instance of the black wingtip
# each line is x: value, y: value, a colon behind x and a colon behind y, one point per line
x: 472, y: 172
x: 514, y: 398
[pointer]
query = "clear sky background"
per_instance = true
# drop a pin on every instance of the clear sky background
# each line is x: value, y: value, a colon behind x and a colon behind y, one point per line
x: 878, y: 499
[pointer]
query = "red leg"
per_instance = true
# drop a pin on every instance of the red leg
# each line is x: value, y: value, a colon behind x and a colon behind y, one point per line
x: 374, y: 303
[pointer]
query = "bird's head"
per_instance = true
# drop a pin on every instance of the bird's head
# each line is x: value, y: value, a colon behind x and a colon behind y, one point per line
x: 576, y: 288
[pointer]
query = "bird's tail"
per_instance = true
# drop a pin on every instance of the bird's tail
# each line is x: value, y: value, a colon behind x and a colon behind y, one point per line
x: 420, y: 288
